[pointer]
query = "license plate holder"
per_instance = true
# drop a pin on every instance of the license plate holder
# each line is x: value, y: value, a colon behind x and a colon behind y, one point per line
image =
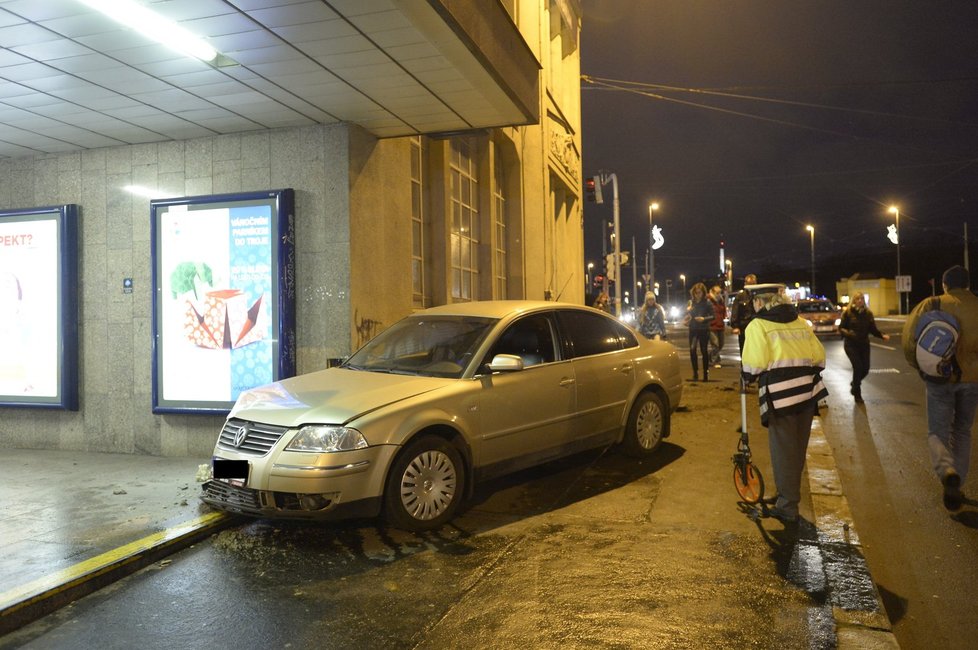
x: 233, y: 472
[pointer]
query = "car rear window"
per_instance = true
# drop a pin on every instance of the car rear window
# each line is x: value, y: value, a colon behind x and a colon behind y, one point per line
x: 589, y: 334
x: 816, y: 306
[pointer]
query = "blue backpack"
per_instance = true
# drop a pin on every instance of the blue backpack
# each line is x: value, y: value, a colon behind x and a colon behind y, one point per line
x: 936, y: 335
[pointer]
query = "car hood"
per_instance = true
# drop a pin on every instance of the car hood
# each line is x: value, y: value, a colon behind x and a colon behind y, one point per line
x: 333, y: 396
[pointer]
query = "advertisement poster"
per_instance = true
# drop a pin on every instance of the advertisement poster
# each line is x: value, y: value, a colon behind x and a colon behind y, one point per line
x: 217, y: 310
x: 32, y: 311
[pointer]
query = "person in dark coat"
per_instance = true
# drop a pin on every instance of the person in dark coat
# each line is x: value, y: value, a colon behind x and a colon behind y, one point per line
x: 699, y: 315
x: 742, y: 311
x: 856, y: 325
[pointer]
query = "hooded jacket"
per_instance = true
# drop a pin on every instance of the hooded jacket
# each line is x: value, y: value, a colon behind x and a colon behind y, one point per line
x: 786, y: 358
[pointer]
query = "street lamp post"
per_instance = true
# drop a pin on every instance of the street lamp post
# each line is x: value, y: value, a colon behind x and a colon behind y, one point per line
x: 682, y: 276
x: 896, y: 211
x: 811, y: 231
x: 588, y: 287
x: 652, y: 208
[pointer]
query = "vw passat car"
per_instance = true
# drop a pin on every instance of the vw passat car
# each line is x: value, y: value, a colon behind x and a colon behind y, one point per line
x: 441, y: 400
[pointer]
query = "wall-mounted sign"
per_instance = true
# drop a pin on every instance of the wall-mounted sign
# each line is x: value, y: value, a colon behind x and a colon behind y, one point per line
x: 223, y: 298
x: 39, y: 308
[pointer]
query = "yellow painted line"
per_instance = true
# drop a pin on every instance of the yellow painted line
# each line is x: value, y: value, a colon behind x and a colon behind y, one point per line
x: 65, y: 579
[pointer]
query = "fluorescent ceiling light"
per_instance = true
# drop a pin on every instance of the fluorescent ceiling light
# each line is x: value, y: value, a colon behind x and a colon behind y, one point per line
x: 154, y: 26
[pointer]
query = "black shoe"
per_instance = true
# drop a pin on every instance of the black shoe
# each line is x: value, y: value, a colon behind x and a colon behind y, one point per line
x: 782, y: 516
x: 770, y: 500
x: 953, y: 497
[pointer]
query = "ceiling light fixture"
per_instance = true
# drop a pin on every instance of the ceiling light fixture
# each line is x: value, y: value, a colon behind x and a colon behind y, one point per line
x: 152, y: 25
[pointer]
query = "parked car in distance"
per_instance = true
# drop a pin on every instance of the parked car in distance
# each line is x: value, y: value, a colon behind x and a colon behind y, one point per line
x: 442, y: 399
x: 823, y: 315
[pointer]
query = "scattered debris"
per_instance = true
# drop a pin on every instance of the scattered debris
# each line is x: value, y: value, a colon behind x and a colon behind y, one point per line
x: 119, y: 491
x: 203, y: 472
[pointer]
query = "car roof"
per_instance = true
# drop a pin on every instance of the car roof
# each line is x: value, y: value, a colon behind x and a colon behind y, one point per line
x: 494, y: 308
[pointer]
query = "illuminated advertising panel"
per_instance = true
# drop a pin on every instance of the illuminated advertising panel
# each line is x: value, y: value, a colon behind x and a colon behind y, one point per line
x: 39, y: 307
x: 223, y: 298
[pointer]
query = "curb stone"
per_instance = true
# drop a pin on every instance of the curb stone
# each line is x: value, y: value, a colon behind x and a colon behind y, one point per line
x: 861, y: 620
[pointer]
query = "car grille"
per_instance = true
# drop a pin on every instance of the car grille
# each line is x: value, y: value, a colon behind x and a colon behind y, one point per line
x: 252, y: 438
x: 231, y: 497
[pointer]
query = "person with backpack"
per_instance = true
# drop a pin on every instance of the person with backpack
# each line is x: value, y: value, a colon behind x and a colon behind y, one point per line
x: 856, y: 325
x: 940, y: 340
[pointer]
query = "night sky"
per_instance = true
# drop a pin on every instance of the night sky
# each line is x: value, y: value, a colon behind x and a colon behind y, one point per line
x: 749, y: 119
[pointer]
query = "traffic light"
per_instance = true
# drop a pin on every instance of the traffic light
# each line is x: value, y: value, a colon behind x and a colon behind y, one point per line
x: 592, y: 188
x: 611, y: 270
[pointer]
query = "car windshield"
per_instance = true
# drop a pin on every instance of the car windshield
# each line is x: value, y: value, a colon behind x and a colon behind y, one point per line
x: 439, y: 346
x: 816, y: 306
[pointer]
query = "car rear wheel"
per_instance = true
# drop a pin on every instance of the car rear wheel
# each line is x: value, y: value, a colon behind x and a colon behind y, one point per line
x: 646, y: 425
x: 424, y: 487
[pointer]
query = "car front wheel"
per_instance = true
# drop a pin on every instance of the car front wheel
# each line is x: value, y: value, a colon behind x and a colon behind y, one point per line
x: 646, y: 425
x: 425, y: 484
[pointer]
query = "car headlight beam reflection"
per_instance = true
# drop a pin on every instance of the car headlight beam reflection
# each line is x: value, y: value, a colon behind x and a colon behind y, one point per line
x: 324, y: 438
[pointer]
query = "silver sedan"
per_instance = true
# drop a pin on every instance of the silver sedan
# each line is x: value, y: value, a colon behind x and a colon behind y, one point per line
x: 444, y: 398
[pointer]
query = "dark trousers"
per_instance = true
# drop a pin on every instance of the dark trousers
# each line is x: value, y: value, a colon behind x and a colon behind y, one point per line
x: 700, y: 339
x: 858, y: 353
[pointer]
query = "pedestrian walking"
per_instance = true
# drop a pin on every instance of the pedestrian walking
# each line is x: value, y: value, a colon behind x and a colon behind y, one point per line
x: 699, y: 314
x: 856, y: 325
x: 718, y: 325
x: 785, y: 357
x: 652, y: 318
x: 742, y: 311
x: 951, y: 404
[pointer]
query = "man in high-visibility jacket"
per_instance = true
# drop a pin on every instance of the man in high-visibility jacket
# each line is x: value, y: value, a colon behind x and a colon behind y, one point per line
x: 782, y: 353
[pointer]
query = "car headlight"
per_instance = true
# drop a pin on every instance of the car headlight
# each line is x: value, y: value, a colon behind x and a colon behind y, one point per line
x: 324, y: 438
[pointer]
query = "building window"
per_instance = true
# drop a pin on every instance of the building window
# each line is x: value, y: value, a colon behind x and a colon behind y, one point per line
x: 500, y: 245
x: 465, y: 221
x: 417, y: 223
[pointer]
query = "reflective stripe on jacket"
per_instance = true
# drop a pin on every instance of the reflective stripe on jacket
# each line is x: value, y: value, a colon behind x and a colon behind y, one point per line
x: 787, y: 359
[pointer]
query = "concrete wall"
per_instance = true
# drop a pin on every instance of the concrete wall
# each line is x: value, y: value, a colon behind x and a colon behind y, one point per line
x: 115, y: 332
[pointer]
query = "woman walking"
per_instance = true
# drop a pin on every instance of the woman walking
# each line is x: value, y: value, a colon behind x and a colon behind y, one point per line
x: 699, y: 315
x: 652, y: 318
x: 856, y: 325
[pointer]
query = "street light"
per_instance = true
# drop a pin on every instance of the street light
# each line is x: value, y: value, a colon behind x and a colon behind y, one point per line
x: 651, y: 270
x: 682, y: 276
x: 590, y: 268
x: 896, y: 211
x: 811, y: 230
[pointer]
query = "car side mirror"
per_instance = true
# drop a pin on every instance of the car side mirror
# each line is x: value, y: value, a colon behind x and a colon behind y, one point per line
x: 506, y: 363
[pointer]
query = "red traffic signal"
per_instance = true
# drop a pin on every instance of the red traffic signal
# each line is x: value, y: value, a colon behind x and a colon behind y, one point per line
x: 592, y: 189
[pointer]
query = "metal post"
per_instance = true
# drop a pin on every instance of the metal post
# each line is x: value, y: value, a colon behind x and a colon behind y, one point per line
x: 634, y: 275
x: 811, y: 231
x: 898, y: 255
x: 617, y: 251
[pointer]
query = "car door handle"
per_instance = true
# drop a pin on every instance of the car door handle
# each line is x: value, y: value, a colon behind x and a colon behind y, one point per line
x: 566, y: 381
x: 625, y: 368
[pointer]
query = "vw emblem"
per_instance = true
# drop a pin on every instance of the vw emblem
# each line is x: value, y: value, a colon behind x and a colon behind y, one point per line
x: 242, y: 435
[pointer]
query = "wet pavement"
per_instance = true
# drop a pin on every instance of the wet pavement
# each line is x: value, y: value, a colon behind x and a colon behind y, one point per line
x: 594, y: 551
